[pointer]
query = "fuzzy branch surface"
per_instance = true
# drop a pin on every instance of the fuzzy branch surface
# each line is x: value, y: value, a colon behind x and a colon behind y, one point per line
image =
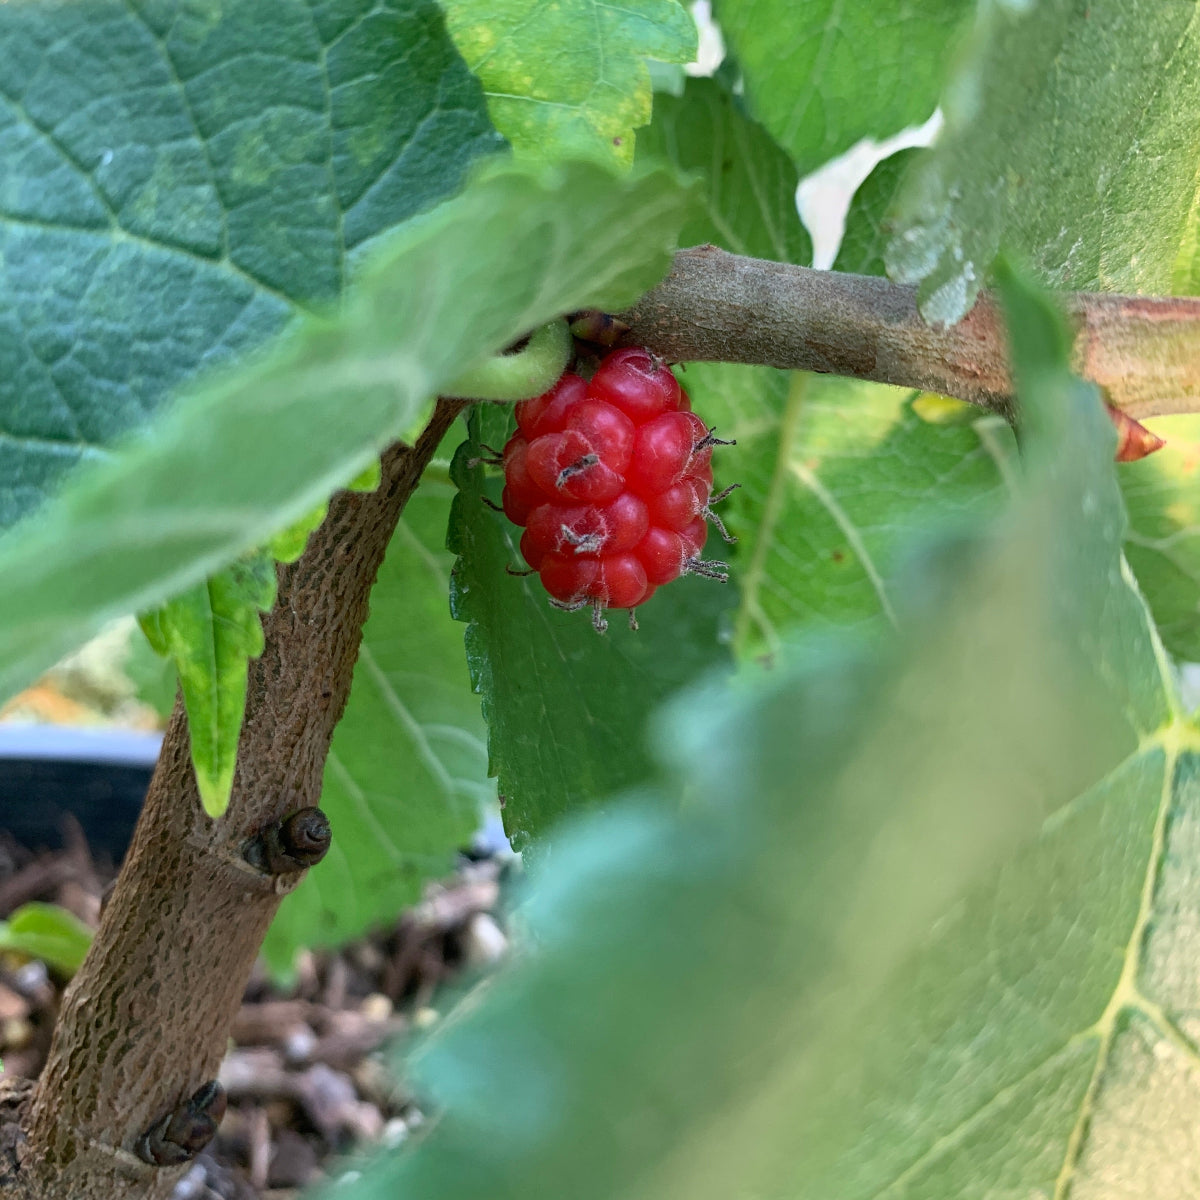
x: 721, y: 307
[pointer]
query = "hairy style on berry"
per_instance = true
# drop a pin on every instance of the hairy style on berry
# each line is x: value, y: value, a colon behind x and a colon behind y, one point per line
x: 612, y: 481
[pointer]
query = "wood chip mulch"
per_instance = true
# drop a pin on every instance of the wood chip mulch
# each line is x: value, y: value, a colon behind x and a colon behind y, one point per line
x: 306, y: 1072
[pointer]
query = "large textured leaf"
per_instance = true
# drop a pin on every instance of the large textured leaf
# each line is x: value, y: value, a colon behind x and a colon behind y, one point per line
x: 1071, y: 135
x: 225, y: 469
x: 924, y: 930
x: 566, y: 707
x: 569, y: 79
x: 821, y: 74
x: 406, y: 780
x: 176, y: 180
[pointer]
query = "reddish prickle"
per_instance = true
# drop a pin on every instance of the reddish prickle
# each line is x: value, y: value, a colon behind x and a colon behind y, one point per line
x: 1134, y: 440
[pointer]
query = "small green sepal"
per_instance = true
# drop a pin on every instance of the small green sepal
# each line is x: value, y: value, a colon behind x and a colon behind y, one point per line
x: 529, y: 372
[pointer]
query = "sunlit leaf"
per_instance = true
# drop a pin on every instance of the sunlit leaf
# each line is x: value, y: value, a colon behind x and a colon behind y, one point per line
x: 569, y: 79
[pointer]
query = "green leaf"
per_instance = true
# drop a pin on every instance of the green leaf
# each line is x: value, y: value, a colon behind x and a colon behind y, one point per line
x: 821, y: 74
x: 1093, y: 177
x: 1091, y: 173
x: 225, y: 469
x: 867, y: 232
x: 917, y: 931
x: 46, y: 931
x: 288, y: 544
x: 406, y: 779
x: 1163, y: 541
x: 1162, y: 492
x: 566, y: 707
x: 837, y: 478
x: 152, y: 676
x: 836, y: 475
x: 181, y: 179
x: 520, y: 374
x: 750, y: 183
x: 569, y: 79
x: 210, y: 632
x: 1185, y: 280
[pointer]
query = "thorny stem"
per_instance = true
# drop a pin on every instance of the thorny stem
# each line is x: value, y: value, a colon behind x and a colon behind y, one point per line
x: 719, y: 307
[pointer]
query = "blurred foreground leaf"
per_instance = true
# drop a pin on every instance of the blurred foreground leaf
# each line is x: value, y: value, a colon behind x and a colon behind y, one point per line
x: 925, y: 927
x: 1071, y: 133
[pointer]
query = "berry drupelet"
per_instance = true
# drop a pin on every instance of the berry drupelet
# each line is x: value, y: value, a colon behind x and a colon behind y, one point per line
x: 612, y: 481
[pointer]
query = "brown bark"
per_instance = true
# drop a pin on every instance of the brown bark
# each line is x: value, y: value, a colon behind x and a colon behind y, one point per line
x: 720, y: 307
x: 145, y: 1021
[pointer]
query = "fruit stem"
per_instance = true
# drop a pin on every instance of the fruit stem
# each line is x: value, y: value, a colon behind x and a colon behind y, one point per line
x: 522, y: 375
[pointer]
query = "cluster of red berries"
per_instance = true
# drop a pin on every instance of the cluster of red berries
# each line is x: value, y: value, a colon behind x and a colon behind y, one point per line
x: 612, y: 481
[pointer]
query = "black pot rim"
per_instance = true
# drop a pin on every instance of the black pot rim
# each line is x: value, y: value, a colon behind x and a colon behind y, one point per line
x: 73, y: 743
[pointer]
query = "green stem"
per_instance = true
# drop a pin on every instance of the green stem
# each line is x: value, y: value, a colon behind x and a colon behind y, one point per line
x: 520, y: 376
